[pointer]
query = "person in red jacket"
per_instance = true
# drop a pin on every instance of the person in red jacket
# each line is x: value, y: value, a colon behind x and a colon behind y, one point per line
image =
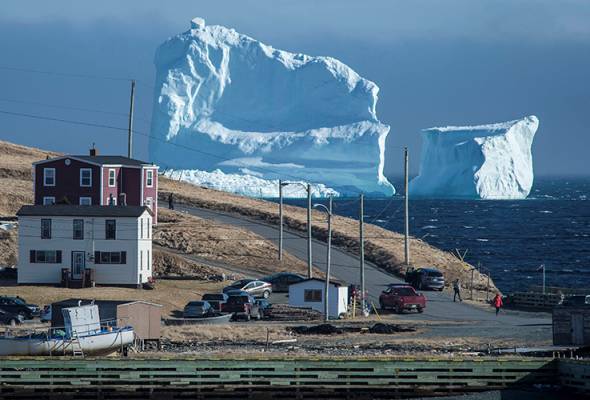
x: 498, y: 302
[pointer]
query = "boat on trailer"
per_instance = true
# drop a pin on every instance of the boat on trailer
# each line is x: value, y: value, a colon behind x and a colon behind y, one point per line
x: 82, y: 334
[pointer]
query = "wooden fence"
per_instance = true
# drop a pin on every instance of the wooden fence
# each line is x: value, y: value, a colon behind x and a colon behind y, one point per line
x: 267, y: 378
x: 575, y: 374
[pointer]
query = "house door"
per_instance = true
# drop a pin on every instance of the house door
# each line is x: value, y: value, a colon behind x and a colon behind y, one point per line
x: 577, y: 329
x: 78, y: 264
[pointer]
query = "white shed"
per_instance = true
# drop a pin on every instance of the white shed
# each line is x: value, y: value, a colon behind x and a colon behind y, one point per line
x: 309, y: 293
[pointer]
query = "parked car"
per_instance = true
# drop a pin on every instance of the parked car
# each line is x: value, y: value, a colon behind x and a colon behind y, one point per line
x: 265, y: 308
x: 8, y: 318
x: 400, y: 298
x: 577, y: 300
x: 17, y: 305
x: 242, y: 306
x: 215, y: 299
x: 254, y: 287
x: 236, y: 292
x: 280, y: 281
x: 425, y: 278
x: 45, y: 315
x: 198, y: 309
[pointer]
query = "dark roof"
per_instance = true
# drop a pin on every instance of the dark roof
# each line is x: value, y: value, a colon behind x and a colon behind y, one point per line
x: 332, y: 281
x: 63, y: 210
x: 102, y: 160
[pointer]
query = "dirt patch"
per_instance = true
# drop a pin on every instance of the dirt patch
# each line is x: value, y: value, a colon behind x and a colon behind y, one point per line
x: 329, y: 329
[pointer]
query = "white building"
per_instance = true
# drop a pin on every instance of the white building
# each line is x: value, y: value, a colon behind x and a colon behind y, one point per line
x: 309, y: 293
x: 115, y: 241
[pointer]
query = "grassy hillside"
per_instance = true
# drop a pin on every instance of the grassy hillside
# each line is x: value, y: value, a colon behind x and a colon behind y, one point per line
x: 205, y: 239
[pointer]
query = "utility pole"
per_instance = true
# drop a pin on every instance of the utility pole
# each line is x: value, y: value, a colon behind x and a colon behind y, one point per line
x: 329, y: 253
x: 362, y: 250
x: 407, y: 210
x: 309, y: 239
x: 328, y: 256
x: 130, y: 131
x: 280, y: 220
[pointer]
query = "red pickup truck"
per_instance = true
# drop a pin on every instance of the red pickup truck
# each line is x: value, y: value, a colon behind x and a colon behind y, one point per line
x: 402, y: 297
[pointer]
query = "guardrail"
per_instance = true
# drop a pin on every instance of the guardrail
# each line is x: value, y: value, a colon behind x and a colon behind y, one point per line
x: 534, y: 300
x: 271, y: 378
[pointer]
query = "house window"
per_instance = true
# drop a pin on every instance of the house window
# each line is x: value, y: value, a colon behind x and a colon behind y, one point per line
x: 312, y: 295
x: 45, y: 229
x: 141, y: 260
x: 48, y: 200
x: 85, y: 177
x: 48, y: 176
x: 141, y: 228
x: 85, y: 201
x: 112, y: 201
x: 148, y: 260
x: 110, y: 257
x: 45, y: 256
x: 149, y: 180
x: 147, y: 228
x: 110, y: 229
x: 78, y: 225
x: 112, y: 177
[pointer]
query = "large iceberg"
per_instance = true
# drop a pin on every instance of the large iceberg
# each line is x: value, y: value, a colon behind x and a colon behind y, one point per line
x: 477, y: 162
x: 227, y: 102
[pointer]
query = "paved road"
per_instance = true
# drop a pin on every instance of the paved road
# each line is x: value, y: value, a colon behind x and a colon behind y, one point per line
x: 346, y: 267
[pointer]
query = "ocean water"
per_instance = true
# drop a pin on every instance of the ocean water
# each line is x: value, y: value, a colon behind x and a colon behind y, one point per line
x: 511, y: 239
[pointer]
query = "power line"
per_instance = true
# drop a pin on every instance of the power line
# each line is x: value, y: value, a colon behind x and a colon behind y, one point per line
x: 65, y: 74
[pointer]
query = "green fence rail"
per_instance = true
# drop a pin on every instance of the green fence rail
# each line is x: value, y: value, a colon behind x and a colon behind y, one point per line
x: 273, y: 378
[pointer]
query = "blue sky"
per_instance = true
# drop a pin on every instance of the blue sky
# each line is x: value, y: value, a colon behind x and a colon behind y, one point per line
x: 436, y: 62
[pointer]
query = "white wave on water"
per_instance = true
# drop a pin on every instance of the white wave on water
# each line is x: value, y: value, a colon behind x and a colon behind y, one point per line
x: 429, y: 227
x: 482, y: 240
x: 546, y: 212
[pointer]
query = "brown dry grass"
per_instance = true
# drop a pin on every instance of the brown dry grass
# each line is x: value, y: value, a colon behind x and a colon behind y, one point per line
x: 172, y: 295
x: 169, y: 264
x: 223, y: 243
x: 382, y: 247
x: 16, y: 175
x: 216, y: 333
x: 8, y: 247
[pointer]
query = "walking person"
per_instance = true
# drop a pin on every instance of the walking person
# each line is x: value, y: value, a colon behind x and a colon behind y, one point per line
x: 457, y: 290
x: 498, y: 302
x: 171, y: 201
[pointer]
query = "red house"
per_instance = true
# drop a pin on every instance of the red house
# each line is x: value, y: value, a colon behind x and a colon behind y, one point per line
x: 96, y: 180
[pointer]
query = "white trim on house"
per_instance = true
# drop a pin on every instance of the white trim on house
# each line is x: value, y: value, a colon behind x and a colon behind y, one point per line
x: 48, y: 200
x: 149, y: 172
x: 82, y: 170
x: 114, y: 177
x: 141, y: 178
x: 100, y: 201
x: 85, y: 198
x: 45, y: 176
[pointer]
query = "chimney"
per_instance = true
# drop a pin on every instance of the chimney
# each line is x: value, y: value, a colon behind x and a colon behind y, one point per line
x: 122, y: 199
x: 93, y: 151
